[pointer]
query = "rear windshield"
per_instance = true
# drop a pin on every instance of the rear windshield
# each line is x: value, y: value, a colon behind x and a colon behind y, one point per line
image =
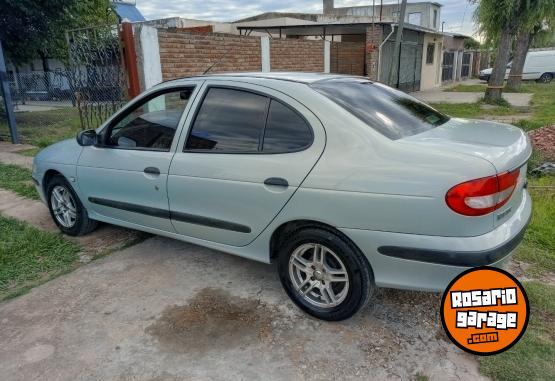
x: 390, y: 112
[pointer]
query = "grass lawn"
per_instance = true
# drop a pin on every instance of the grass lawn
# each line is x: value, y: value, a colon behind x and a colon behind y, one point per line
x: 29, y: 256
x: 533, y: 357
x: 42, y: 128
x: 538, y: 247
x: 462, y: 88
x: 18, y: 180
x: 472, y: 110
x: 542, y: 105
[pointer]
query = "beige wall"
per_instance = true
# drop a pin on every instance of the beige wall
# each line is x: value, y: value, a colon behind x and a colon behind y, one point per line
x: 430, y: 72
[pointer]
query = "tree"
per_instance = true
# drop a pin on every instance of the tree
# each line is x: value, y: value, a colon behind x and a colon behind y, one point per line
x: 499, y: 21
x: 472, y: 44
x: 545, y: 38
x: 538, y: 16
x: 37, y: 27
x: 523, y: 41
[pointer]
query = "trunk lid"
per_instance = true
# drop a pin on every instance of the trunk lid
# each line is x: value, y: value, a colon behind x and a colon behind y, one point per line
x: 506, y: 147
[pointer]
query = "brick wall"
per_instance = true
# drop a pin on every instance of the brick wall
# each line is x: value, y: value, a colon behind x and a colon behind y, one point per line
x: 296, y: 55
x: 185, y: 54
x: 373, y: 37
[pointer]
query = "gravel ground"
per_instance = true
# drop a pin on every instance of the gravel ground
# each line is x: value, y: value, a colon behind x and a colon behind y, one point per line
x: 167, y: 310
x: 544, y: 140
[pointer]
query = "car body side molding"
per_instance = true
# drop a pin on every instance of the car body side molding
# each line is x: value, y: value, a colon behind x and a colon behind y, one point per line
x: 455, y: 258
x: 183, y: 217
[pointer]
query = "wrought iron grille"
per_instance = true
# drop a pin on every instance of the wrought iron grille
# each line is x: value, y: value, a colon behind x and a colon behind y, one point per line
x: 447, y: 68
x: 96, y: 73
x: 465, y: 68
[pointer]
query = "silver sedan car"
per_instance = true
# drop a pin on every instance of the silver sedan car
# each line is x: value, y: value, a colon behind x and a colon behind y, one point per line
x: 347, y: 184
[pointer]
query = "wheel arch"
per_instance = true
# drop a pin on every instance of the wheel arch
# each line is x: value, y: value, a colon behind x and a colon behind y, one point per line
x: 288, y: 228
x: 49, y: 175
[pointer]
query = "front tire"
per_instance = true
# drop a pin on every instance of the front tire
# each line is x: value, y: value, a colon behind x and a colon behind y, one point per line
x: 66, y: 209
x: 545, y: 78
x: 324, y: 274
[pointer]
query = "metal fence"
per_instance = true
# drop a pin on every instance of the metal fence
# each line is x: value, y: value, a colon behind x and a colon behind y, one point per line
x: 40, y: 86
x: 44, y: 104
x: 97, y: 73
x: 53, y: 105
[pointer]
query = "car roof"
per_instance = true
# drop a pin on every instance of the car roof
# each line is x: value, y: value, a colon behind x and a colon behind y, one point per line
x: 301, y: 77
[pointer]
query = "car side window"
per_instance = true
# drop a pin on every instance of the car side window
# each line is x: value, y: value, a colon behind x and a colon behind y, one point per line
x: 286, y: 130
x: 151, y: 124
x: 228, y: 120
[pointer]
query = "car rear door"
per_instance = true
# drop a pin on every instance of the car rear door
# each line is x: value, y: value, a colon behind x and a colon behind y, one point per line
x: 124, y: 177
x: 247, y: 150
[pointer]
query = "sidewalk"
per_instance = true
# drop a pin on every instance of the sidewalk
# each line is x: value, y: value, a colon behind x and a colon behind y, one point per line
x: 438, y: 95
x: 9, y: 154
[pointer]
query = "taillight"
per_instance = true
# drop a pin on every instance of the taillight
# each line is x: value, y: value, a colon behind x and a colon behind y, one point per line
x: 482, y: 196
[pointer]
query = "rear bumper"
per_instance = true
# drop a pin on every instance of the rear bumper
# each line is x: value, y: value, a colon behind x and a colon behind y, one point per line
x: 455, y: 258
x: 430, y: 262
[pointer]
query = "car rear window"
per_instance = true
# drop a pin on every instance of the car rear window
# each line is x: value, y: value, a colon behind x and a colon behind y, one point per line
x: 390, y: 112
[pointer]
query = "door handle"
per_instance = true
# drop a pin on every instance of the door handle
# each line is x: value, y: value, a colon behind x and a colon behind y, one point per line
x: 152, y: 171
x: 276, y: 181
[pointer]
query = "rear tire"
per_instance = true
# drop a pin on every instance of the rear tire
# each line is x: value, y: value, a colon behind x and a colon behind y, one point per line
x: 66, y: 209
x: 545, y: 78
x: 324, y: 274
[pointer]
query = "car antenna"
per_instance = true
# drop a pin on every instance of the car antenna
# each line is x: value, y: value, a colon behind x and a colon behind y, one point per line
x: 215, y: 63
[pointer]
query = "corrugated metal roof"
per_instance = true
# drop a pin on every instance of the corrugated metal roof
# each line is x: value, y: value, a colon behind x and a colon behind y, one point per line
x: 129, y: 12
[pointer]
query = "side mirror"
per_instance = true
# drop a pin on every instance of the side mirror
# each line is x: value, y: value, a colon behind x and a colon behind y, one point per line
x: 87, y: 138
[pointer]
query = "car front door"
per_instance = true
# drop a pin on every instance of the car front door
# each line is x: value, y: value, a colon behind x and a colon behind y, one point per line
x: 124, y: 177
x: 247, y: 150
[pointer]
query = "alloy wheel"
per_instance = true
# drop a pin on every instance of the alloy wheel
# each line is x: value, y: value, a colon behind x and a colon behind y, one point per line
x: 63, y: 206
x: 319, y: 275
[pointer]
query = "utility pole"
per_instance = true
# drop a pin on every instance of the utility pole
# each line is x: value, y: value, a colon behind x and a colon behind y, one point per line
x: 5, y: 84
x: 394, y: 68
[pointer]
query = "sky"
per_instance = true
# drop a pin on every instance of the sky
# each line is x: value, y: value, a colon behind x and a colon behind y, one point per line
x: 457, y: 14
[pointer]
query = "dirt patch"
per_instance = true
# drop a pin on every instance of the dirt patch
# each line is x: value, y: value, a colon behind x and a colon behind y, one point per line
x: 213, y: 319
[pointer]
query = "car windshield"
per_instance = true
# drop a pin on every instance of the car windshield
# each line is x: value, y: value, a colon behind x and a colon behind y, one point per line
x: 390, y: 112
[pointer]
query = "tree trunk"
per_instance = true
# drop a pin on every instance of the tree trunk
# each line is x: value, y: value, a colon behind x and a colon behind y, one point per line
x: 524, y: 39
x: 495, y: 84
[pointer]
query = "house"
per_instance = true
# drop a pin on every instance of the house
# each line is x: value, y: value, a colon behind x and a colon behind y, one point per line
x: 362, y: 39
x: 423, y: 14
x: 456, y: 61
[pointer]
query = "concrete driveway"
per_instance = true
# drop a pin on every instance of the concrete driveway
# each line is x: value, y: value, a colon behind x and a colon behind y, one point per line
x: 167, y: 310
